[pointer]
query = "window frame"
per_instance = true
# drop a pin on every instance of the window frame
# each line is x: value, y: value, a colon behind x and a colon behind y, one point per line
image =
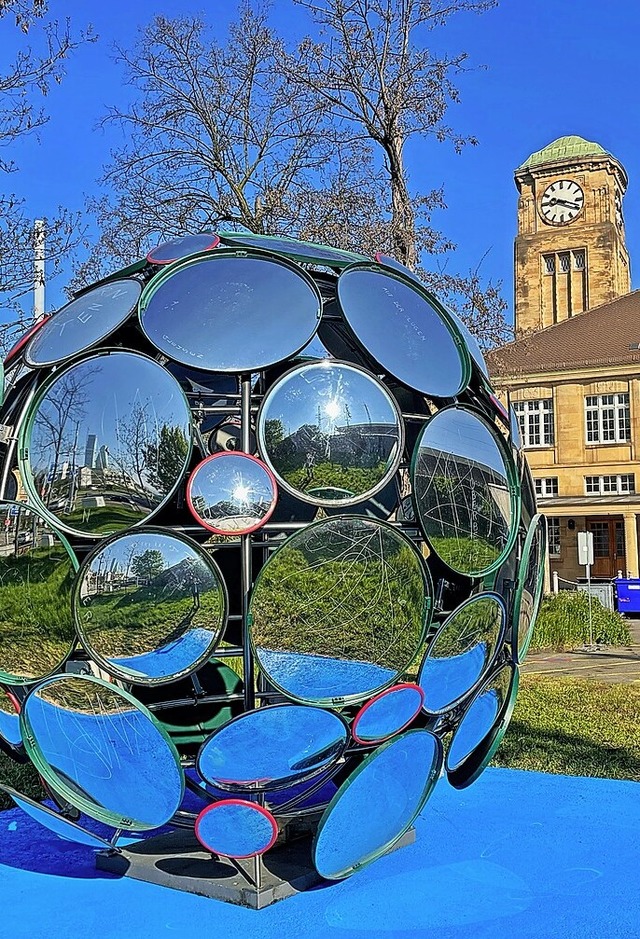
x: 531, y: 414
x: 606, y: 421
x: 601, y: 485
x: 549, y: 487
x: 553, y: 536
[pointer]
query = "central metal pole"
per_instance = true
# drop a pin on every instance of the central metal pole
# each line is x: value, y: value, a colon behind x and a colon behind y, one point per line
x: 38, y: 268
x: 245, y: 547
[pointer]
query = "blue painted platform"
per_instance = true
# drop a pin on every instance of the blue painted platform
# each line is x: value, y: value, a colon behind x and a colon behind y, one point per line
x: 518, y: 855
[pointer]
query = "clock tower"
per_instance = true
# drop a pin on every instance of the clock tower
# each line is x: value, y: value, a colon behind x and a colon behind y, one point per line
x: 570, y: 252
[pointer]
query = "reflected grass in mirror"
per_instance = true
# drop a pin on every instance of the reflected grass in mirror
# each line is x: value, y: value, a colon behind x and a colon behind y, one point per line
x: 150, y: 606
x: 340, y: 610
x: 465, y: 491
x: 37, y: 569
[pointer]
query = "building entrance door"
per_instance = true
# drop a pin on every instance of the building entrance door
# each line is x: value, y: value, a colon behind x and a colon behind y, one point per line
x: 608, y: 546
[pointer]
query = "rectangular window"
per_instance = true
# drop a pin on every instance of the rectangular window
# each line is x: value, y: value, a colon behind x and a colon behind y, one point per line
x: 619, y: 484
x: 536, y: 421
x: 564, y: 263
x: 607, y: 418
x: 549, y: 263
x: 578, y: 260
x: 546, y: 487
x: 553, y: 530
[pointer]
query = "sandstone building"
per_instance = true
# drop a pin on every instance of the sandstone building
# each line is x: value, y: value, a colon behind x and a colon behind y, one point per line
x: 572, y: 374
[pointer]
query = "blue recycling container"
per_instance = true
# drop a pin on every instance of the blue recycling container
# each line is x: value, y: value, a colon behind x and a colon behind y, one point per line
x: 627, y: 594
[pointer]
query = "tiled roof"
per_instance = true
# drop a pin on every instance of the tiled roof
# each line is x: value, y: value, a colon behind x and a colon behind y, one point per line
x: 607, y: 335
x: 564, y: 148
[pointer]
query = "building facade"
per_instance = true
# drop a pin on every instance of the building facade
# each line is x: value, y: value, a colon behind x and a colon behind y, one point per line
x: 572, y: 375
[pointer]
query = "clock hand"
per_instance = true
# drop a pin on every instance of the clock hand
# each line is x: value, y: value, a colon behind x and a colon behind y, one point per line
x: 570, y: 205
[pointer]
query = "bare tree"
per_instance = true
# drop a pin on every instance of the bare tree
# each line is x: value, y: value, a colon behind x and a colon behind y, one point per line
x: 241, y: 133
x: 30, y: 75
x: 375, y: 74
x: 218, y: 136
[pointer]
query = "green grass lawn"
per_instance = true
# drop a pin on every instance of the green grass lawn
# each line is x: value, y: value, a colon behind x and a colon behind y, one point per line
x: 572, y: 726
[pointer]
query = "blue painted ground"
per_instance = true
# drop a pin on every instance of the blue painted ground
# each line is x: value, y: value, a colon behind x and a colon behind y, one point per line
x: 521, y: 855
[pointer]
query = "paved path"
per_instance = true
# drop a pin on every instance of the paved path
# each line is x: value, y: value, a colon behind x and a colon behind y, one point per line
x: 604, y: 663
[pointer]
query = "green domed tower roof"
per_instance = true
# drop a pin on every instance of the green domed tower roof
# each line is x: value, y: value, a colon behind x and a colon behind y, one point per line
x: 564, y: 148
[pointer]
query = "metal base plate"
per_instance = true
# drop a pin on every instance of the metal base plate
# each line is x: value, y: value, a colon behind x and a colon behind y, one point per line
x: 177, y: 860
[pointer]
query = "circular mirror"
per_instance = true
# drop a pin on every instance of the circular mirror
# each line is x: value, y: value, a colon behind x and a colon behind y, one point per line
x: 58, y: 824
x: 530, y: 585
x: 482, y: 727
x: 387, y: 714
x: 236, y: 828
x: 9, y: 719
x: 332, y: 433
x: 150, y: 606
x: 37, y: 568
x: 179, y: 248
x: 231, y: 493
x: 396, y: 322
x: 106, y: 443
x: 340, y: 610
x: 271, y: 748
x: 82, y: 323
x: 305, y: 251
x: 377, y: 804
x: 100, y: 749
x: 472, y: 343
x: 258, y: 311
x: 465, y: 491
x: 462, y: 652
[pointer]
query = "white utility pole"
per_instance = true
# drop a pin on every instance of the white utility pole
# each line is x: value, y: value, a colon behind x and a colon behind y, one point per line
x: 38, y: 268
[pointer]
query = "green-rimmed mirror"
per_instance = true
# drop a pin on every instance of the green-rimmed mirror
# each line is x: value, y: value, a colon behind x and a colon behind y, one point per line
x: 472, y: 343
x: 397, y: 323
x: 377, y: 803
x: 307, y: 252
x: 62, y: 827
x: 150, y: 606
x: 462, y: 652
x: 37, y: 568
x: 100, y: 749
x: 482, y: 726
x: 331, y: 432
x: 231, y: 310
x: 105, y: 444
x: 83, y: 322
x: 340, y: 610
x: 465, y: 491
x: 530, y: 586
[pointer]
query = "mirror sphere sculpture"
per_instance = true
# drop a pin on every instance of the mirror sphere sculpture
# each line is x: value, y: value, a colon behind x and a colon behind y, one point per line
x: 269, y: 554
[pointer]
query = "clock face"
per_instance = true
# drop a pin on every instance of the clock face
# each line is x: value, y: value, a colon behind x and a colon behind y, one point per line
x: 561, y: 202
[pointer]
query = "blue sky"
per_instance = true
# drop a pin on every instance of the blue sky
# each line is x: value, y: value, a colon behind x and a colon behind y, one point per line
x: 549, y: 69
